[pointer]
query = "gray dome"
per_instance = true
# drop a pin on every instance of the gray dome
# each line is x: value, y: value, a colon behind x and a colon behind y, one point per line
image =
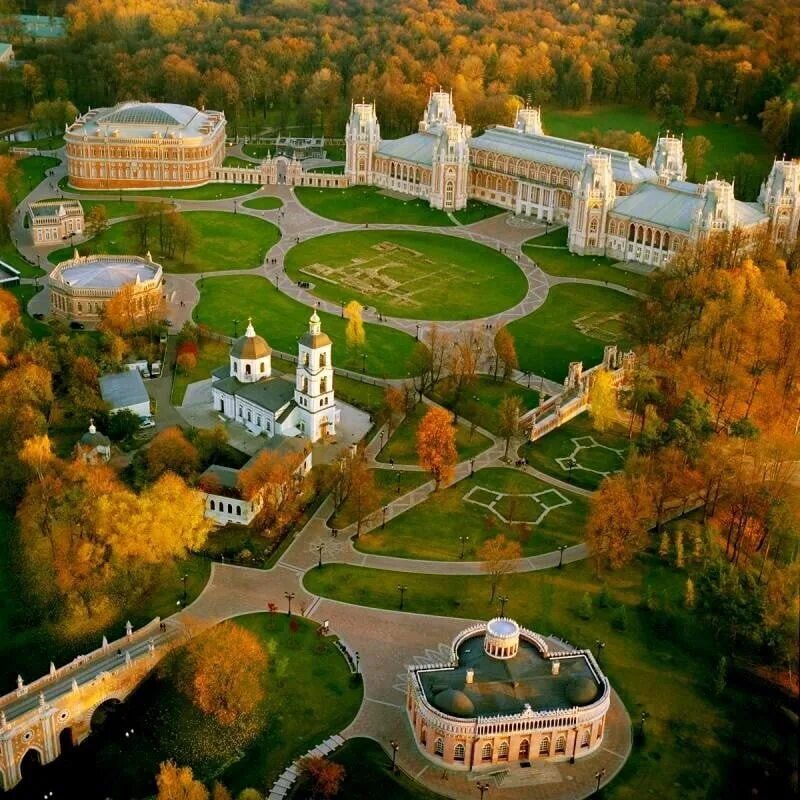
x: 454, y: 702
x: 581, y: 690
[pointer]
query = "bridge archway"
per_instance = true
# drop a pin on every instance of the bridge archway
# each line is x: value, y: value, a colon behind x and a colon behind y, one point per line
x: 102, y: 712
x: 31, y: 762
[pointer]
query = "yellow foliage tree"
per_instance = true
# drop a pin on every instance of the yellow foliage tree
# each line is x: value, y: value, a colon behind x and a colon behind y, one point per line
x: 497, y: 556
x: 354, y: 334
x: 178, y: 783
x: 603, y: 401
x: 436, y: 445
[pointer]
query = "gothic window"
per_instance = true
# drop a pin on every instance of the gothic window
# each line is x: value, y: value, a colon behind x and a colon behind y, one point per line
x: 585, y: 739
x: 632, y: 233
x: 238, y: 511
x: 544, y: 746
x: 230, y: 508
x: 305, y: 385
x: 561, y: 744
x: 263, y: 366
x: 486, y: 752
x: 306, y: 360
x: 502, y: 751
x: 212, y: 506
x: 449, y: 193
x: 247, y: 370
x: 323, y: 361
x: 234, y: 366
x: 593, y: 225
x: 323, y: 385
x: 423, y: 738
x: 524, y: 749
x: 459, y: 752
x: 438, y: 747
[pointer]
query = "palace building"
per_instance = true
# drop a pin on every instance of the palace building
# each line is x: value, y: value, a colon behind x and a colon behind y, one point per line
x: 612, y: 204
x: 52, y: 221
x: 507, y: 696
x: 81, y: 287
x: 144, y: 146
x: 246, y: 390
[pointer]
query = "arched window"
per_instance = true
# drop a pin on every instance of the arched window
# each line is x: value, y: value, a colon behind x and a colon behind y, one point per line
x: 230, y: 508
x: 263, y: 366
x: 323, y: 385
x: 524, y: 750
x: 593, y: 225
x: 238, y: 511
x: 544, y: 746
x: 561, y: 744
x: 486, y: 752
x: 586, y: 738
x: 459, y: 752
x: 502, y: 751
x: 213, y: 505
x: 438, y: 747
x: 305, y: 385
x: 423, y: 737
x: 322, y: 360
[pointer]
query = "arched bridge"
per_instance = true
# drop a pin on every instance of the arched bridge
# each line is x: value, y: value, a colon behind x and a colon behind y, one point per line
x: 38, y: 718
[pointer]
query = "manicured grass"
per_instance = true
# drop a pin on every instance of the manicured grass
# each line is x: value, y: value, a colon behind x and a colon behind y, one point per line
x: 265, y: 203
x: 235, y: 161
x: 364, y: 204
x: 402, y: 447
x: 542, y: 454
x: 221, y: 241
x: 431, y: 529
x: 24, y: 293
x: 363, y: 395
x: 728, y: 139
x: 114, y: 208
x: 548, y: 339
x: 476, y: 211
x: 310, y: 695
x: 668, y: 675
x: 258, y: 150
x: 44, y: 143
x: 408, y: 274
x: 27, y: 645
x: 563, y: 263
x: 387, y: 482
x: 481, y: 400
x: 210, y: 355
x: 281, y: 321
x: 9, y: 254
x: 337, y: 170
x: 368, y: 773
x: 33, y: 170
x: 210, y: 191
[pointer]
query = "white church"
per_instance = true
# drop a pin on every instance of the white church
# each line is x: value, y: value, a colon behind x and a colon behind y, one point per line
x: 247, y: 392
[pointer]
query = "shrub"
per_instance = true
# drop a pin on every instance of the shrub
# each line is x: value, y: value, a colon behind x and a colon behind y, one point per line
x: 619, y: 618
x: 585, y: 608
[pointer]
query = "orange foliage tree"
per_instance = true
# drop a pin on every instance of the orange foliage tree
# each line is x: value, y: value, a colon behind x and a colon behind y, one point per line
x: 178, y: 783
x: 497, y: 556
x: 325, y: 776
x: 171, y: 451
x: 436, y: 445
x: 274, y: 481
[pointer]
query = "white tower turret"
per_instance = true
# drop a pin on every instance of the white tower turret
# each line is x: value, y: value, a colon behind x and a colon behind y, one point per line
x: 718, y: 212
x: 250, y: 356
x: 529, y: 121
x: 667, y: 159
x: 780, y: 199
x: 450, y: 167
x: 594, y: 196
x: 362, y: 138
x: 439, y: 111
x: 313, y: 393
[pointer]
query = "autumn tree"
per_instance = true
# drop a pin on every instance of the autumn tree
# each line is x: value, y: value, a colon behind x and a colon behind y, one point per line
x: 603, y: 400
x: 428, y: 360
x: 464, y: 361
x: 397, y: 401
x: 223, y: 672
x: 186, y: 362
x: 497, y: 557
x: 96, y: 221
x: 219, y: 792
x: 354, y: 333
x: 171, y: 451
x: 620, y: 512
x: 505, y: 353
x: 324, y: 776
x: 695, y: 149
x: 178, y: 783
x: 436, y: 445
x: 355, y: 487
x: 508, y: 415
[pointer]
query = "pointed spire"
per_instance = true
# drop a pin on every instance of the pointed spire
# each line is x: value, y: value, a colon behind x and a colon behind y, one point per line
x: 52, y: 668
x: 74, y: 685
x: 75, y: 254
x: 92, y: 428
x: 251, y: 331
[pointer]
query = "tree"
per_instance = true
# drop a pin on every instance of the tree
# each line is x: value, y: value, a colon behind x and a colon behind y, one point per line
x: 96, y: 221
x: 505, y: 353
x: 396, y: 403
x: 171, y: 451
x: 436, y: 445
x: 497, y: 558
x: 219, y: 792
x: 619, y: 514
x: 186, y: 362
x: 775, y: 120
x: 689, y: 597
x: 325, y: 776
x: 274, y: 481
x: 222, y: 672
x: 508, y: 415
x: 695, y: 151
x: 603, y: 400
x: 178, y: 783
x: 354, y: 333
x: 355, y: 485
x: 428, y: 359
x: 122, y: 424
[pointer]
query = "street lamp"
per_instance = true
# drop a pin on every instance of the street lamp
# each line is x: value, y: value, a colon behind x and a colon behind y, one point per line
x: 357, y: 660
x: 320, y: 547
x: 463, y: 540
x: 471, y: 467
x: 383, y: 522
x: 395, y: 747
x: 342, y: 302
x: 289, y: 596
x: 600, y: 645
x: 561, y: 549
x: 235, y: 204
x: 503, y: 600
x: 397, y: 488
x: 598, y: 776
x: 381, y: 439
x: 235, y: 328
x: 418, y: 331
x: 185, y: 576
x: 571, y: 464
x: 363, y: 362
x: 402, y: 589
x: 482, y: 787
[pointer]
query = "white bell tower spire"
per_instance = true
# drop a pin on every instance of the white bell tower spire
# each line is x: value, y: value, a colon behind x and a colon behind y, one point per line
x: 313, y: 394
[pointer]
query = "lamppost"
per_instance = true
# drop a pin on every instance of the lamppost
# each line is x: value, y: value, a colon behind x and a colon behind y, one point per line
x: 395, y: 747
x: 235, y: 204
x: 418, y: 331
x: 397, y: 488
x: 319, y: 548
x: 600, y: 645
x: 235, y: 328
x: 463, y: 540
x: 363, y: 363
x: 402, y: 589
x: 641, y: 725
x: 598, y: 776
x: 482, y: 787
x: 185, y: 576
x: 561, y: 549
x: 381, y: 439
x: 357, y: 660
x: 383, y: 521
x: 289, y: 596
x: 571, y: 464
x: 342, y: 302
x: 471, y: 467
x: 503, y: 600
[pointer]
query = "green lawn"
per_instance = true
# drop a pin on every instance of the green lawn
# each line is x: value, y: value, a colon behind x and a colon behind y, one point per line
x: 44, y: 143
x: 114, y: 208
x: 9, y: 254
x: 368, y: 773
x: 408, y: 274
x: 542, y: 454
x: 364, y: 204
x: 549, y: 338
x: 235, y: 161
x: 476, y: 211
x: 360, y: 394
x: 480, y: 402
x: 210, y: 355
x: 23, y: 293
x: 668, y: 675
x: 221, y: 241
x: 32, y: 169
x: 337, y: 170
x: 281, y: 321
x: 210, y: 191
x: 431, y: 529
x: 258, y: 150
x: 402, y: 447
x: 387, y: 482
x: 563, y: 263
x: 728, y: 139
x: 266, y: 203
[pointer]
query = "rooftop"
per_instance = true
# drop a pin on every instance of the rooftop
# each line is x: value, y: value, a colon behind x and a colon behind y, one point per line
x: 270, y: 393
x: 55, y: 208
x: 417, y: 148
x: 123, y: 389
x: 106, y: 272
x: 507, y: 686
x: 41, y: 26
